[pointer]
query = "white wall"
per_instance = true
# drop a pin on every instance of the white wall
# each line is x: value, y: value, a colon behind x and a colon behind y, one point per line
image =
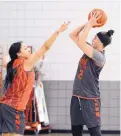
x: 34, y: 22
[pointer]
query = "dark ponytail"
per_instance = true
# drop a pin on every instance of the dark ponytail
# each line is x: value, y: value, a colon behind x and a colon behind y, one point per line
x: 13, y: 50
x: 105, y: 37
x: 110, y: 32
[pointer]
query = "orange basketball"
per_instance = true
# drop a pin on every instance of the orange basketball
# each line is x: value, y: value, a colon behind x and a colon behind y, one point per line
x: 102, y: 20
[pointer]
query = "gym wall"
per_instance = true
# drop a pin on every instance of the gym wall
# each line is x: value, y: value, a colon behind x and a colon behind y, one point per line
x: 33, y: 22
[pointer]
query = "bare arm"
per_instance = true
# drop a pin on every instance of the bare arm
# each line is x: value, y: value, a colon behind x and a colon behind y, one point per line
x: 45, y: 47
x: 86, y: 48
x: 5, y: 61
x: 74, y: 35
x: 80, y: 40
x: 4, y: 64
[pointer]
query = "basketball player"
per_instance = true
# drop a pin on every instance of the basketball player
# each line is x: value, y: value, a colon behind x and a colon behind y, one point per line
x: 18, y: 84
x: 85, y: 102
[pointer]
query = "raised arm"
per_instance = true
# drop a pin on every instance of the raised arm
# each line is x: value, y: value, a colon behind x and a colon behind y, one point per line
x: 45, y: 47
x: 74, y: 35
x: 80, y: 39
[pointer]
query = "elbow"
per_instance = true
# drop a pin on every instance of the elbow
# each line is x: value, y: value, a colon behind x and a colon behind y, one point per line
x: 71, y: 35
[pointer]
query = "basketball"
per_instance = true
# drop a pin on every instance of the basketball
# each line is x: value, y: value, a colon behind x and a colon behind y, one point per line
x: 102, y: 20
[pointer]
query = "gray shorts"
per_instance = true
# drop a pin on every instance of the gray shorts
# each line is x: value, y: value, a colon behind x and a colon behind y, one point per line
x: 85, y: 112
x: 11, y: 120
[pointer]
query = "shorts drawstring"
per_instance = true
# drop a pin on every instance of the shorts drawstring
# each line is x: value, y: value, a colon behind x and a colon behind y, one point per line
x: 79, y: 103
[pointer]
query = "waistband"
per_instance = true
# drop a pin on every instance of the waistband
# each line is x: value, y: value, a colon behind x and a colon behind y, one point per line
x: 87, y: 98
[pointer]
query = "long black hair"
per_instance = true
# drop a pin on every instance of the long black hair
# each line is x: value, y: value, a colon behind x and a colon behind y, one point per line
x: 13, y: 50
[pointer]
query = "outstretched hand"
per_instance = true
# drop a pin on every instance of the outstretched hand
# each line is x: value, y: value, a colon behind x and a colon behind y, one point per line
x: 63, y: 27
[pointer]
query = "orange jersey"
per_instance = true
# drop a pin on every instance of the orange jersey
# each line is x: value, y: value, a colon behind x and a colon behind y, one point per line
x: 17, y: 95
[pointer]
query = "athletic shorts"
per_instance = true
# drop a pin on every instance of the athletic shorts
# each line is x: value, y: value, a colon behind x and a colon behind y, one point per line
x: 85, y: 112
x: 11, y: 120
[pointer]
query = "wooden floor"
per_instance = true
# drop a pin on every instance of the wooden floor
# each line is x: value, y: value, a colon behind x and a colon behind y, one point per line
x: 71, y: 135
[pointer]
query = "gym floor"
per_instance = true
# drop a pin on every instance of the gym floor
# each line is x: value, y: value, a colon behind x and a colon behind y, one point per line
x: 71, y: 135
x: 64, y: 134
